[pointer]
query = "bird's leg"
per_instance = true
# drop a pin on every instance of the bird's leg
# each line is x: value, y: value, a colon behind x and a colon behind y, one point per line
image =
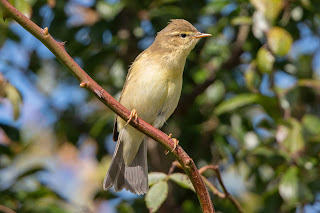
x: 175, y: 141
x: 133, y: 115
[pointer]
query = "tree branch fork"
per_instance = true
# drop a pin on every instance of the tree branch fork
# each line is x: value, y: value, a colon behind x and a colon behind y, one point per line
x: 57, y: 48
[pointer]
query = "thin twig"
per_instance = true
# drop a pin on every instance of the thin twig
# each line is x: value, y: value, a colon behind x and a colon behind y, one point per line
x: 87, y: 82
x: 173, y: 166
x: 226, y: 192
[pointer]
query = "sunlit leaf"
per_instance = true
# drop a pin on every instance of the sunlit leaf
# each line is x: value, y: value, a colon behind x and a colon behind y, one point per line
x: 182, y: 180
x: 294, y: 141
x: 270, y: 8
x: 108, y: 11
x: 156, y: 195
x: 279, y: 41
x: 265, y: 60
x: 23, y: 6
x: 289, y: 185
x: 154, y: 177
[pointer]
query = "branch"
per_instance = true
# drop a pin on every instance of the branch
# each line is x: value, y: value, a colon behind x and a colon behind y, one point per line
x: 5, y: 209
x: 87, y: 82
x: 215, y: 191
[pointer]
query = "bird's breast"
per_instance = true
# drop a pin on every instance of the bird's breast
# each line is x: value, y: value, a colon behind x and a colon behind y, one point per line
x: 153, y: 89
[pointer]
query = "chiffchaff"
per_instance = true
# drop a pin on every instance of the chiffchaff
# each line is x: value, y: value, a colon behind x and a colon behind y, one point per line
x: 152, y: 88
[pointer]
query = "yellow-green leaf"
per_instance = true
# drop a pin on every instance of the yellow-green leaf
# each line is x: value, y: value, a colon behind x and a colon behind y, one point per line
x: 265, y: 60
x: 182, y: 180
x: 279, y: 41
x: 270, y: 8
x: 241, y: 20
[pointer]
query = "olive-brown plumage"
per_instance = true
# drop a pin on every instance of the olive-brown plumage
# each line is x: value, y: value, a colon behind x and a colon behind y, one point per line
x: 152, y: 88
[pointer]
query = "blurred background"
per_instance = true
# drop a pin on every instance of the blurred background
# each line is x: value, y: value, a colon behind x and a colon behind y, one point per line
x: 250, y: 104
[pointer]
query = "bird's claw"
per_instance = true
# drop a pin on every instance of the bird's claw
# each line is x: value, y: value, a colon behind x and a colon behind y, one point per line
x: 175, y: 141
x: 133, y: 115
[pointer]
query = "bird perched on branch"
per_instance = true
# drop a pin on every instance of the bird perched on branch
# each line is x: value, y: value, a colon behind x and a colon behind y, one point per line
x: 152, y: 91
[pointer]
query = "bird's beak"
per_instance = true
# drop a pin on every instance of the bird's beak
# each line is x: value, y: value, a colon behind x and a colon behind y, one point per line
x: 202, y: 35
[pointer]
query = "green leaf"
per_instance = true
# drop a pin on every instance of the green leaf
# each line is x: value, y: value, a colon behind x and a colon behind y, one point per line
x: 23, y: 6
x: 294, y: 141
x: 265, y: 60
x: 154, y: 177
x: 279, y: 41
x: 311, y: 123
x: 182, y: 180
x: 236, y: 102
x: 289, y: 185
x: 156, y: 195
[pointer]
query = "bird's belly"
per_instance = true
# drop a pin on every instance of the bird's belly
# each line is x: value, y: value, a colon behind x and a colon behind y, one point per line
x: 155, y: 98
x: 170, y: 103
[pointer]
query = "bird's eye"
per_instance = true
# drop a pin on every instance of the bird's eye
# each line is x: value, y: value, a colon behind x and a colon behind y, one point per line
x: 183, y: 35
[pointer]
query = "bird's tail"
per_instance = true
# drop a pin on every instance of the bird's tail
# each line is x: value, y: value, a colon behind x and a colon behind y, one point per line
x: 134, y: 177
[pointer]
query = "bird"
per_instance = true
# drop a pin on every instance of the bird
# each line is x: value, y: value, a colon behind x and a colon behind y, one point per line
x: 151, y: 91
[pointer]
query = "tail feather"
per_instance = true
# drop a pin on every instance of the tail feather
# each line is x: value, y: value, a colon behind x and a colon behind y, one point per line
x: 133, y: 178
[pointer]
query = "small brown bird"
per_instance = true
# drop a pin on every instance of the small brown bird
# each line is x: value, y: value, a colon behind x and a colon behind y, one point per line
x: 152, y: 89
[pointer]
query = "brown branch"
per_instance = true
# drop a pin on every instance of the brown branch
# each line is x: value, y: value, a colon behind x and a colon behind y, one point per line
x: 87, y: 82
x: 226, y: 192
x: 5, y: 209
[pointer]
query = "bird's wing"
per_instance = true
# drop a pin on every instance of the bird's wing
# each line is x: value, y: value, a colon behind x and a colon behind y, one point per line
x: 115, y: 129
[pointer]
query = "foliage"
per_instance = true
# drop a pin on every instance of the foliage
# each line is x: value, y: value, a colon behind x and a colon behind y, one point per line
x: 250, y: 104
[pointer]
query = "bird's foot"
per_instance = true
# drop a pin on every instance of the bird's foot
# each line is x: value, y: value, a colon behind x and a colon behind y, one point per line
x: 133, y: 115
x: 175, y: 141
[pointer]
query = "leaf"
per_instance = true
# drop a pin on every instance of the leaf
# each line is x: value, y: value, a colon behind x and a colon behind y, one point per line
x: 154, y: 177
x: 265, y: 60
x: 30, y: 171
x: 182, y: 180
x: 108, y: 11
x: 311, y: 123
x: 23, y: 6
x: 156, y: 195
x: 251, y: 77
x: 289, y: 185
x: 294, y: 141
x: 279, y: 41
x: 269, y: 8
x: 14, y: 97
x: 236, y: 102
x: 241, y: 20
